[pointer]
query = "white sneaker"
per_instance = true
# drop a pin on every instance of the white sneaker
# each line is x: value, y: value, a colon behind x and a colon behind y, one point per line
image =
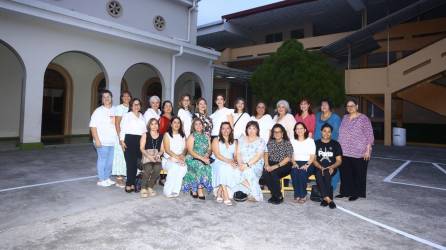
x: 109, y: 181
x: 102, y: 183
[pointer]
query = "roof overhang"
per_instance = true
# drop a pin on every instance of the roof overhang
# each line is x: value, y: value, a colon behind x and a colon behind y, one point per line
x: 231, y: 73
x: 362, y: 41
x: 60, y: 15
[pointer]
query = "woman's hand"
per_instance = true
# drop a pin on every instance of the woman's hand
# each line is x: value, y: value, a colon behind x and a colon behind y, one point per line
x: 331, y: 170
x: 295, y: 165
x: 97, y: 144
x: 123, y: 145
x: 206, y: 160
x: 305, y: 167
x: 367, y: 153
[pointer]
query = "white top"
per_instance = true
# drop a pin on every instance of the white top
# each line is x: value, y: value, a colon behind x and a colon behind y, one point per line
x: 132, y: 125
x: 240, y: 126
x: 288, y: 123
x: 103, y: 120
x: 186, y: 118
x: 177, y: 144
x: 150, y: 113
x: 303, y: 149
x: 219, y: 116
x: 120, y: 110
x: 265, y: 123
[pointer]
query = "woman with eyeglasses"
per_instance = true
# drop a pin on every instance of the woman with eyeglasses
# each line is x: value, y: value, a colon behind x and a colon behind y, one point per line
x: 356, y: 139
x: 133, y: 125
x: 278, y: 156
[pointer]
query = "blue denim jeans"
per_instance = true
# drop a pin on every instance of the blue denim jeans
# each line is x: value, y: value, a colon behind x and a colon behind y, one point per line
x: 105, y: 162
x: 300, y: 179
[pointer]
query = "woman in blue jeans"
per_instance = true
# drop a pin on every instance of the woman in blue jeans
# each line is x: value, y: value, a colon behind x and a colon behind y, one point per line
x: 304, y: 151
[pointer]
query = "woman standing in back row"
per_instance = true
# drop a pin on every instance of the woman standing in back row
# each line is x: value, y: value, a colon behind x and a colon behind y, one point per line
x: 222, y: 114
x: 356, y: 139
x: 306, y: 116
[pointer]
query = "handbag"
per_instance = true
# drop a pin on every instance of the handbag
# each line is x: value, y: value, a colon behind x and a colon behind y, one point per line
x: 239, y: 196
x: 151, y: 152
x: 315, y: 194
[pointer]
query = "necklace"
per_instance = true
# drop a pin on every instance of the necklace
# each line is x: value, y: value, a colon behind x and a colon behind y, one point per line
x: 154, y: 142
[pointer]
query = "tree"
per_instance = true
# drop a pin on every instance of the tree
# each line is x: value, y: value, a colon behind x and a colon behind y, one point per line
x: 293, y: 73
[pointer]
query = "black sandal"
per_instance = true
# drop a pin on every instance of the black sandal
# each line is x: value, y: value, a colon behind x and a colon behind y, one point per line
x: 129, y: 189
x: 201, y: 197
x: 195, y: 196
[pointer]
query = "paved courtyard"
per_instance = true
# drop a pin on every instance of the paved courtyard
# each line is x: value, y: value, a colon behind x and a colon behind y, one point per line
x: 49, y: 200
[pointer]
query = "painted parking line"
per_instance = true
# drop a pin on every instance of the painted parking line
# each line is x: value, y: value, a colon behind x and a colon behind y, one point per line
x: 397, y: 171
x: 405, y: 234
x: 399, y: 159
x: 48, y: 183
x: 439, y: 167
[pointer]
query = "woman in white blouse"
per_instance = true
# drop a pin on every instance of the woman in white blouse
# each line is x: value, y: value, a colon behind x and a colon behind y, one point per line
x: 154, y: 109
x: 284, y: 117
x: 133, y: 125
x: 240, y: 118
x: 222, y: 114
x: 174, y: 144
x: 185, y: 114
x: 265, y: 121
x: 304, y: 150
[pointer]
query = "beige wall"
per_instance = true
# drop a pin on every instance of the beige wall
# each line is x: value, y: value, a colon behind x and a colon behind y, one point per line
x: 11, y: 77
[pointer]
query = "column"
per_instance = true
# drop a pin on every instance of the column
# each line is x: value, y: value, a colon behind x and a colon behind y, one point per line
x: 388, y: 119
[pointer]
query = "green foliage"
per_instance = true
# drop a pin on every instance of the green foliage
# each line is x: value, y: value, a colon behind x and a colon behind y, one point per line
x: 293, y: 73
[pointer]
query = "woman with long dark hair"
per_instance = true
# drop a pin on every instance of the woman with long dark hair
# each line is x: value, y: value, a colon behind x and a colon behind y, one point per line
x: 306, y: 116
x: 166, y: 115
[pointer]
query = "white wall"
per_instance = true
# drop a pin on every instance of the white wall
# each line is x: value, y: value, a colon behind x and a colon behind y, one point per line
x: 11, y: 76
x: 136, y: 13
x: 83, y: 70
x: 136, y: 76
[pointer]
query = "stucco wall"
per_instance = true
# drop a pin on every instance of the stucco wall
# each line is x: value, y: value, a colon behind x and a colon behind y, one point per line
x: 11, y: 77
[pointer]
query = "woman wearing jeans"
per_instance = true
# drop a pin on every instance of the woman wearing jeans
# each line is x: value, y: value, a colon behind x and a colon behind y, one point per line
x: 303, y: 156
x: 102, y: 125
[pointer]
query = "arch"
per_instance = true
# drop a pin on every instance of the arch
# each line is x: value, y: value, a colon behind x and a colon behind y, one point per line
x: 153, y: 84
x: 11, y: 130
x: 100, y: 77
x: 191, y: 81
x: 143, y: 83
x: 68, y: 96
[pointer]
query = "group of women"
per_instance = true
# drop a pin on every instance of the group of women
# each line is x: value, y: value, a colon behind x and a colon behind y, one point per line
x: 229, y: 152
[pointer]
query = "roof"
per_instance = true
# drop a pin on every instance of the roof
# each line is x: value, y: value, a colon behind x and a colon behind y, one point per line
x: 362, y: 41
x: 264, y: 8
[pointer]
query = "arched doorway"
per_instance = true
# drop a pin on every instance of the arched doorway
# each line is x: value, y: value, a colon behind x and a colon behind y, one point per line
x: 98, y: 85
x: 12, y: 78
x: 57, y: 101
x: 151, y: 87
x: 145, y: 80
x: 188, y: 83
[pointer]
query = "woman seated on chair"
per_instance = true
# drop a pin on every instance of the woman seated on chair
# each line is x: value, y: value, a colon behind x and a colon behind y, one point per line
x: 303, y: 156
x: 174, y: 144
x: 278, y: 156
x: 328, y: 159
x: 250, y: 151
x: 199, y: 172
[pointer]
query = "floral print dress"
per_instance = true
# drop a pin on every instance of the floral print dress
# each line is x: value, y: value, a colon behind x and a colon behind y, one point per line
x: 198, y: 173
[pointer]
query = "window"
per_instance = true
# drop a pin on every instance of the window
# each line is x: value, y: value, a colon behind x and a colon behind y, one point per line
x: 297, y: 34
x: 273, y: 38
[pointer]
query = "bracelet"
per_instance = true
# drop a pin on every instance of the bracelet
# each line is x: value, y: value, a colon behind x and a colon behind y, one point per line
x: 247, y: 165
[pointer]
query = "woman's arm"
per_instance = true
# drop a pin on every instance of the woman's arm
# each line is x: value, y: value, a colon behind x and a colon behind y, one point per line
x: 166, y: 146
x: 216, y: 151
x: 190, y: 147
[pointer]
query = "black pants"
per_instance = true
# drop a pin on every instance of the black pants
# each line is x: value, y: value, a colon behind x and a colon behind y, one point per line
x: 131, y: 155
x: 353, y: 176
x: 324, y: 183
x: 272, y: 179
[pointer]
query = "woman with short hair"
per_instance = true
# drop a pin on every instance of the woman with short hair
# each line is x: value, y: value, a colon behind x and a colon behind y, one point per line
x: 153, y: 111
x: 250, y: 151
x: 278, y: 157
x: 151, y: 149
x: 174, y: 144
x: 356, y: 139
x: 199, y: 172
x: 284, y: 117
x: 303, y: 156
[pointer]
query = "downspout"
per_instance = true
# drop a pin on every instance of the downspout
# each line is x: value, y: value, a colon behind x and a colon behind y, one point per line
x: 172, y: 74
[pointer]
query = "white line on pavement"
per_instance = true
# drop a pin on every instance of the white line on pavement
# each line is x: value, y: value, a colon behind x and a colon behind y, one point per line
x: 397, y: 171
x: 439, y: 167
x: 399, y: 159
x: 408, y: 235
x: 416, y: 185
x: 47, y: 183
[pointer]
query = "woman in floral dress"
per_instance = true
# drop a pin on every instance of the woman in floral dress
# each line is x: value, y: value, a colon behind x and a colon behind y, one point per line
x: 201, y: 112
x: 199, y: 172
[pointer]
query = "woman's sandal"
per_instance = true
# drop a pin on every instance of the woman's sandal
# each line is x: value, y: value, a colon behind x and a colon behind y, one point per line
x: 219, y: 199
x: 227, y: 202
x: 201, y: 197
x: 128, y: 189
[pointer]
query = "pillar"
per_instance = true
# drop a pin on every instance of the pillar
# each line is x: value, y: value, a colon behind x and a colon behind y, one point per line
x: 388, y: 119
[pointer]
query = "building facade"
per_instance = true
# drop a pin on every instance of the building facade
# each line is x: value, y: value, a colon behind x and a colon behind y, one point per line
x: 392, y: 54
x: 55, y: 57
